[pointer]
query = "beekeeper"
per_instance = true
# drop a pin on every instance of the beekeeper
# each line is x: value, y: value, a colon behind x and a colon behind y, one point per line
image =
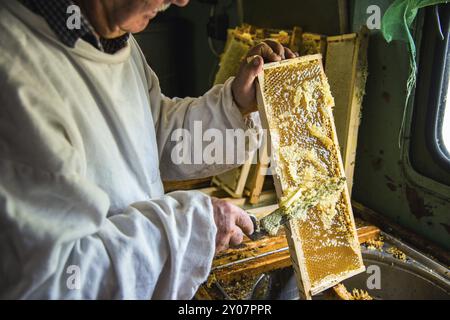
x: 85, y: 139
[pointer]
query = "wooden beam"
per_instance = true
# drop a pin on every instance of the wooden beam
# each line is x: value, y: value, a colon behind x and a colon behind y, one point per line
x: 170, y: 186
x: 257, y: 174
x: 367, y: 233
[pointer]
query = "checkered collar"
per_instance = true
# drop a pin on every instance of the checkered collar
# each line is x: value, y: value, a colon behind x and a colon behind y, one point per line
x: 55, y: 14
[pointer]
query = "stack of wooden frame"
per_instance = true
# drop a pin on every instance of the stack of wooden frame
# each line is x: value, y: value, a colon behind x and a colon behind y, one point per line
x: 346, y: 69
x: 242, y: 38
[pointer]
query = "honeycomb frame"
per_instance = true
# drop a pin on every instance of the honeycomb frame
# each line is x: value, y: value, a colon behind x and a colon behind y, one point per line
x: 306, y: 251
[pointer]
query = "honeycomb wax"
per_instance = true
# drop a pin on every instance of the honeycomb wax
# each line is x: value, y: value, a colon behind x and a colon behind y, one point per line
x: 297, y: 107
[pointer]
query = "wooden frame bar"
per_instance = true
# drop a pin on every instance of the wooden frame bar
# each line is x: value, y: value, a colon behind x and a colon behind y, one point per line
x: 233, y: 182
x: 347, y: 74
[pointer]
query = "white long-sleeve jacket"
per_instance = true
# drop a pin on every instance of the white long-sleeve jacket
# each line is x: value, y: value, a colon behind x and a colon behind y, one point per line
x: 85, y: 138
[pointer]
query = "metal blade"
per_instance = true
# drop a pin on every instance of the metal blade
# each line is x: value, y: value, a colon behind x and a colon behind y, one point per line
x: 258, y: 233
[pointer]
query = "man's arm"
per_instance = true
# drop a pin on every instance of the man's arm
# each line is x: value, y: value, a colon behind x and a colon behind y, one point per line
x: 224, y: 108
x: 181, y: 125
x: 56, y: 239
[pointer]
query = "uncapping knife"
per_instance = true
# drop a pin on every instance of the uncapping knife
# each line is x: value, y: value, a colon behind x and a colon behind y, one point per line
x: 260, y: 231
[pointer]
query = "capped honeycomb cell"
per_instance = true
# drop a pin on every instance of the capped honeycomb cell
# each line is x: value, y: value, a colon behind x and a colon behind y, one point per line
x: 295, y: 104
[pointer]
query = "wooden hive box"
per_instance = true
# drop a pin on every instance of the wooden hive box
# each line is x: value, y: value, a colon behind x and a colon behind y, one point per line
x: 295, y: 105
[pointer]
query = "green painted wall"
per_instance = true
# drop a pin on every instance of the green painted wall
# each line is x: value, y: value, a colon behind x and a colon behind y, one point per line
x: 384, y: 179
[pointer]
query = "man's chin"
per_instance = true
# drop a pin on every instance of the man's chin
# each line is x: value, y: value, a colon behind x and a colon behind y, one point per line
x: 136, y: 28
x: 113, y: 35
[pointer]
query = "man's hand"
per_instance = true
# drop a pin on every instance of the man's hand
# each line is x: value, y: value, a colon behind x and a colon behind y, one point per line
x: 243, y: 87
x: 232, y: 222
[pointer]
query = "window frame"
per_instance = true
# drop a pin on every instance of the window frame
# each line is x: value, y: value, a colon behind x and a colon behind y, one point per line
x: 437, y: 98
x: 414, y: 140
